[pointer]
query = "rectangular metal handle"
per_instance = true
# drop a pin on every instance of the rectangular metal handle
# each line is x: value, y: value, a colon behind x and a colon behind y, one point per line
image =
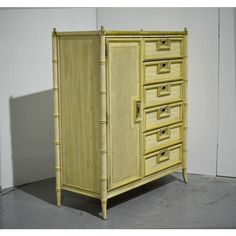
x: 163, y: 133
x: 138, y: 111
x: 163, y: 44
x: 163, y: 155
x: 163, y: 67
x: 163, y: 112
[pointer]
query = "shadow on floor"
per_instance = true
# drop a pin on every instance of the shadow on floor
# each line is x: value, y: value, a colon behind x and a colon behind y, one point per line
x: 45, y: 190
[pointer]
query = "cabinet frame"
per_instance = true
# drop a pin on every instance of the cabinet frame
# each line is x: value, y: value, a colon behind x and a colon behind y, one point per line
x: 104, y: 38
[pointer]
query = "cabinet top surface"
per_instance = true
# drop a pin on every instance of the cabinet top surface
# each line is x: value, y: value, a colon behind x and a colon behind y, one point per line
x: 122, y: 33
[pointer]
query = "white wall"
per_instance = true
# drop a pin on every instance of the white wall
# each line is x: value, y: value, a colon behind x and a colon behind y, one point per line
x: 202, y: 24
x: 227, y: 94
x: 26, y: 78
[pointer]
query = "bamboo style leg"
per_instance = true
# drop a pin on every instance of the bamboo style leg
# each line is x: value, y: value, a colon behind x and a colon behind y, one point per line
x: 56, y: 118
x: 185, y: 96
x: 104, y: 209
x: 58, y: 197
x: 103, y: 126
x: 185, y: 176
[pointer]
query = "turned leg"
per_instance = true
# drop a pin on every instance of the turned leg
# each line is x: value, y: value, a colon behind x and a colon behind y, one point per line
x: 185, y: 176
x: 104, y: 209
x: 58, y: 197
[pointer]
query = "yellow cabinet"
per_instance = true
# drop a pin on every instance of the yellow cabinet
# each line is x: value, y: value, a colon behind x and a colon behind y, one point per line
x: 120, y: 110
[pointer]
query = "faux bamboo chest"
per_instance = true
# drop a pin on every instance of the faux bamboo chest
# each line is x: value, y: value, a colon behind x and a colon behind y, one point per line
x: 120, y: 100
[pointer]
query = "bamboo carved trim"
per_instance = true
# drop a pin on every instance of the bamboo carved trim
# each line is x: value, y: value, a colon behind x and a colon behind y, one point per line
x: 185, y: 105
x: 103, y: 120
x: 166, y: 33
x: 56, y: 116
x: 124, y: 33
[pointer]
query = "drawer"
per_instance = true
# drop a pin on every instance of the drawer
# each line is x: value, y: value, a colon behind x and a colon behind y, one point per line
x: 157, y: 48
x: 163, y: 159
x: 162, y: 115
x: 162, y: 93
x: 160, y: 71
x: 160, y: 138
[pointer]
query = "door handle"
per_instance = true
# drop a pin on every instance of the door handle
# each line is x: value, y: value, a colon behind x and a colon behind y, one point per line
x: 137, y: 110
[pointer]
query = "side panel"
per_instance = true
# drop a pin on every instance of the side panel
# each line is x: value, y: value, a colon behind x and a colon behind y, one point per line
x: 124, y: 127
x: 80, y: 102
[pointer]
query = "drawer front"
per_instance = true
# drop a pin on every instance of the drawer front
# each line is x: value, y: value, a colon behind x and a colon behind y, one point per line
x: 162, y: 115
x: 162, y: 93
x: 163, y: 159
x: 156, y: 48
x: 161, y: 71
x: 162, y: 137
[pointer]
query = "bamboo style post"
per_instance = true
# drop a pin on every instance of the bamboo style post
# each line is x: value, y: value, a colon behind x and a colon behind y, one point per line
x: 103, y: 125
x: 56, y: 117
x: 185, y: 99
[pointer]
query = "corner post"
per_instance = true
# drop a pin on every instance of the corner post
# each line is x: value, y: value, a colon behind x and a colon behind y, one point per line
x: 103, y: 124
x: 185, y: 108
x: 56, y: 116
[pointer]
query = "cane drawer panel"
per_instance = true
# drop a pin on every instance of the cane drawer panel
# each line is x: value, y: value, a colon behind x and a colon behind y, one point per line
x: 163, y: 159
x: 162, y: 137
x: 162, y: 93
x: 162, y: 115
x: 157, y: 48
x: 161, y: 71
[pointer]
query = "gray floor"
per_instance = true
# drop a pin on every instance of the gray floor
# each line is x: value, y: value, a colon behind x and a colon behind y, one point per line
x: 205, y: 202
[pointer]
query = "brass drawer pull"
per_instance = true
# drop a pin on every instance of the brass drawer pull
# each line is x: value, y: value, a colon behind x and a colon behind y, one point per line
x: 163, y: 90
x: 163, y: 155
x: 163, y: 67
x: 137, y: 110
x: 163, y: 44
x: 163, y: 134
x: 163, y: 112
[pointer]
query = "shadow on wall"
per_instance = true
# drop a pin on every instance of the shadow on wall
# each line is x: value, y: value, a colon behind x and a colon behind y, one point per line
x: 32, y: 134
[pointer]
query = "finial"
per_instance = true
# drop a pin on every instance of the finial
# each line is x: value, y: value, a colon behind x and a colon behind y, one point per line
x: 185, y: 30
x: 54, y: 32
x: 102, y: 31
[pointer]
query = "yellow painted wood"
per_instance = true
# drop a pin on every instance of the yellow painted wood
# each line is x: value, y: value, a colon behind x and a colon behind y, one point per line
x: 162, y: 137
x: 145, y: 33
x: 127, y: 33
x: 156, y: 48
x: 124, y: 126
x: 162, y: 116
x: 162, y: 71
x: 80, y: 111
x: 56, y: 116
x: 103, y: 125
x: 143, y: 181
x: 85, y: 192
x: 120, y: 110
x: 163, y: 159
x: 185, y: 110
x: 163, y: 93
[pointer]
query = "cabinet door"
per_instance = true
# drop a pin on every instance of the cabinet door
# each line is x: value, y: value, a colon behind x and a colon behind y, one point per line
x: 124, y: 110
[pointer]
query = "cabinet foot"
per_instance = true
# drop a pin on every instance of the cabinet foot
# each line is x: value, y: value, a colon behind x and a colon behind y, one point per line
x: 185, y: 176
x: 104, y: 209
x: 59, y: 198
